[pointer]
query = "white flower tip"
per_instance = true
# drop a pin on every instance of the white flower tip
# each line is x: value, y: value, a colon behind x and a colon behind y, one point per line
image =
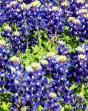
x: 81, y: 56
x: 44, y: 62
x: 36, y: 3
x: 2, y: 43
x: 61, y: 58
x: 52, y: 95
x: 36, y: 66
x: 24, y: 6
x: 50, y: 54
x: 54, y: 8
x: 15, y: 59
x: 80, y: 49
x: 80, y: 1
x: 16, y: 33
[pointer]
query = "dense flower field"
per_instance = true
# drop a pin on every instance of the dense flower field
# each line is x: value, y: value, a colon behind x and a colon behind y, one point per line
x: 43, y: 55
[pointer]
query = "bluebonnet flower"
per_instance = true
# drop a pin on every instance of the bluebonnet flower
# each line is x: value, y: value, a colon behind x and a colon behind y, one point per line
x: 62, y: 48
x: 16, y: 39
x: 77, y: 17
x: 78, y: 70
x: 4, y: 53
x: 54, y: 19
x: 29, y: 17
x: 46, y: 84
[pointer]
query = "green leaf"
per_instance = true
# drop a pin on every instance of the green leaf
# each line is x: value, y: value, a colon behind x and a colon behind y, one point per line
x: 5, y: 106
x: 66, y: 28
x: 43, y: 46
x: 40, y: 108
x: 62, y: 109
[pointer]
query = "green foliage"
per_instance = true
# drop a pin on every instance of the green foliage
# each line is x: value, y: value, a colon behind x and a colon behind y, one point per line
x: 67, y: 107
x: 1, y: 38
x: 86, y: 92
x: 86, y: 42
x: 75, y: 88
x: 40, y: 108
x: 25, y: 108
x: 4, y: 97
x: 32, y: 56
x: 72, y: 42
x: 14, y: 27
x: 40, y: 50
x: 5, y: 106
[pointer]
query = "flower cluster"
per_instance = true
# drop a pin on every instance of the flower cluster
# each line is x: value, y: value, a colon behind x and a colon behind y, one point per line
x: 79, y: 67
x: 46, y: 84
x: 4, y: 54
x: 52, y: 69
x: 76, y: 13
x: 19, y: 19
x: 22, y: 18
